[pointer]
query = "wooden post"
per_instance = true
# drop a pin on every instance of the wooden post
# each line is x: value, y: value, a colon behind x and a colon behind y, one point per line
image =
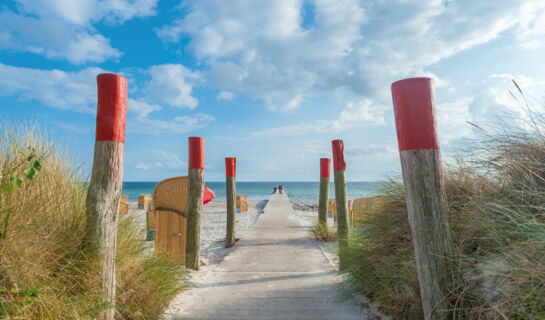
x: 343, y: 227
x: 104, y: 192
x: 195, y: 186
x: 414, y: 109
x: 339, y: 166
x: 230, y: 194
x: 325, y: 166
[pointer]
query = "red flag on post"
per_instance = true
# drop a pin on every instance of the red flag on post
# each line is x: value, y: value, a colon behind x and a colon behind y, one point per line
x: 208, y: 195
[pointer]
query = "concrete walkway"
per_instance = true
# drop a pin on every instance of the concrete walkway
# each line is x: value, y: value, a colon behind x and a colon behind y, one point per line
x: 275, y: 272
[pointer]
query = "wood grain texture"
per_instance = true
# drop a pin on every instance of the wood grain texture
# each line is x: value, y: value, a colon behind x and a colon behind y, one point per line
x: 343, y: 225
x: 426, y: 204
x: 230, y: 189
x: 194, y: 217
x: 341, y: 205
x: 102, y: 206
x: 170, y: 234
x: 323, y: 200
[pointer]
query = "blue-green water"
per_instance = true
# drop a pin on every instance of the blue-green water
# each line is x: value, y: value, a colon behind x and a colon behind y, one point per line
x: 305, y: 192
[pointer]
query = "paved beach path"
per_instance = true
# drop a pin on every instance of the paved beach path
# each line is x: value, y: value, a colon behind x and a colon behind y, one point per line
x: 275, y: 272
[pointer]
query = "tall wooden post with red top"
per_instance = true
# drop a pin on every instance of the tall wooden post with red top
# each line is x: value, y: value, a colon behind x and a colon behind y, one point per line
x: 104, y: 192
x: 195, y: 186
x: 230, y: 194
x: 343, y: 226
x: 325, y: 165
x: 414, y: 108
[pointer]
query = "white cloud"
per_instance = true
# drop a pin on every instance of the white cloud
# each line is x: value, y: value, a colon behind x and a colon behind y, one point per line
x: 198, y: 119
x: 354, y: 115
x: 349, y: 46
x: 532, y: 25
x: 172, y: 84
x: 142, y: 166
x: 226, y: 95
x: 62, y: 29
x: 370, y: 150
x: 452, y: 118
x: 161, y: 159
x: 84, y: 12
x: 89, y: 48
x: 140, y: 108
x: 54, y: 88
x: 53, y: 39
x: 495, y: 98
x: 499, y: 96
x: 180, y: 124
x: 77, y: 91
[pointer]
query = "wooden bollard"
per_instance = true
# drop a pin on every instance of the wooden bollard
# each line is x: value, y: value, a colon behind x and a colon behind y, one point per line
x: 195, y: 186
x: 230, y: 194
x: 104, y: 191
x: 339, y: 165
x: 325, y: 169
x: 343, y: 226
x: 414, y: 109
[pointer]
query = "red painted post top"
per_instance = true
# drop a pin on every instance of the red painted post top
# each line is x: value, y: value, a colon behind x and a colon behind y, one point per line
x: 230, y: 167
x: 338, y: 155
x: 325, y: 167
x: 196, y: 153
x: 414, y: 109
x: 112, y: 107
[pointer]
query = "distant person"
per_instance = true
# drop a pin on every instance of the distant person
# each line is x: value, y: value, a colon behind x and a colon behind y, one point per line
x: 281, y: 189
x: 274, y: 190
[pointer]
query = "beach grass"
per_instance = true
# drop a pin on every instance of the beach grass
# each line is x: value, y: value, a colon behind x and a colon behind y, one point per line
x: 323, y: 232
x: 47, y: 271
x: 496, y: 209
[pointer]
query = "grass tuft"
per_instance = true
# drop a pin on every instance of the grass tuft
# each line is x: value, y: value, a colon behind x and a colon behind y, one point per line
x: 45, y: 269
x: 323, y: 232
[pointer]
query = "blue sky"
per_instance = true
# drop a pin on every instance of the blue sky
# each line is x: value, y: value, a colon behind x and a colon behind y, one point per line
x: 270, y: 82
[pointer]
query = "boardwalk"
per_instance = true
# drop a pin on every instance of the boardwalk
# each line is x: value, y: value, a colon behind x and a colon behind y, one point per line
x: 275, y: 272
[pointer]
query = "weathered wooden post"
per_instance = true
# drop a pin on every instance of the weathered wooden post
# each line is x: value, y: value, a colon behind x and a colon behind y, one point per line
x: 104, y: 192
x: 339, y: 165
x: 230, y: 194
x: 325, y: 165
x: 343, y: 226
x: 414, y: 109
x: 195, y: 186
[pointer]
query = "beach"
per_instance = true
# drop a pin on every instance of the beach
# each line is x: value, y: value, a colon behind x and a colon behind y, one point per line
x: 214, y: 221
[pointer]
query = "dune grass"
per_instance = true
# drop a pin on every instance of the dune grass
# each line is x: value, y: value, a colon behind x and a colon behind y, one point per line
x: 323, y: 232
x: 496, y: 209
x: 46, y: 270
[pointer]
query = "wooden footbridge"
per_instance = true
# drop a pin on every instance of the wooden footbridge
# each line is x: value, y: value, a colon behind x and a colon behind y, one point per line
x: 275, y: 272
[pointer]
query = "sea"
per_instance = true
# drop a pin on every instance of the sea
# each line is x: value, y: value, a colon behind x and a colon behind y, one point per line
x: 303, y: 192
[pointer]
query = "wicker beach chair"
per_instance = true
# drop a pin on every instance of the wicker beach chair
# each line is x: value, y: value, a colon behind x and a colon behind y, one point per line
x: 168, y: 211
x: 363, y: 207
x: 350, y: 203
x: 123, y: 205
x: 332, y: 208
x: 241, y: 202
x: 169, y: 203
x: 143, y: 201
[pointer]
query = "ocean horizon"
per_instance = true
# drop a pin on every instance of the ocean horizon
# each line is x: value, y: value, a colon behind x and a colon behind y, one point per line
x: 298, y: 191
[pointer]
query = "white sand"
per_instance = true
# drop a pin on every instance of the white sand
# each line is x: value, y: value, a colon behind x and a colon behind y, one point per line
x: 214, y: 225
